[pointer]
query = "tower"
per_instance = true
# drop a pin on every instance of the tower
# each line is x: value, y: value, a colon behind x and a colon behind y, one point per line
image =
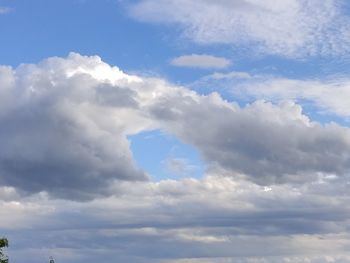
x: 52, y: 260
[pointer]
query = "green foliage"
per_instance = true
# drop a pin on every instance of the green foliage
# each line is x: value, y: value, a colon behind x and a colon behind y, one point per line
x: 3, y: 243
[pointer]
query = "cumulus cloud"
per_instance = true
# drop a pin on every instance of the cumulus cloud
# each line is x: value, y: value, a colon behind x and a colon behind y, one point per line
x: 64, y: 124
x: 276, y: 187
x: 291, y: 28
x: 63, y: 129
x: 268, y: 143
x: 201, y: 61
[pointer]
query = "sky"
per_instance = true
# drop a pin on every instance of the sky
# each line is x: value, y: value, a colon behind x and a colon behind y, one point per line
x: 175, y: 131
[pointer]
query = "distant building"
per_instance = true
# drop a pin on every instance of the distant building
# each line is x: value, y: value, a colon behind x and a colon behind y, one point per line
x: 52, y: 260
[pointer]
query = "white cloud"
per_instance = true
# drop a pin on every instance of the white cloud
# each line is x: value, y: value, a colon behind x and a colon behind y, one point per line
x: 230, y: 75
x: 329, y: 96
x: 291, y: 28
x: 201, y: 61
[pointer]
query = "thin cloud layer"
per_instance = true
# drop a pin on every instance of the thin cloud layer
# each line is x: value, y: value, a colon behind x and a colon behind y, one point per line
x: 291, y: 28
x: 5, y: 10
x: 208, y: 218
x: 329, y: 96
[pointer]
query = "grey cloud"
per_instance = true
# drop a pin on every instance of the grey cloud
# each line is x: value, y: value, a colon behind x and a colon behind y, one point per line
x: 64, y: 126
x: 269, y: 143
x: 200, y: 61
x: 191, y: 218
x: 56, y: 130
x: 116, y: 97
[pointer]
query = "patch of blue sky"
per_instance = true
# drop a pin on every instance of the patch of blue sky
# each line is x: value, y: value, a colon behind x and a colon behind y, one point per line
x: 322, y: 116
x: 299, y: 68
x: 153, y: 150
x: 39, y: 28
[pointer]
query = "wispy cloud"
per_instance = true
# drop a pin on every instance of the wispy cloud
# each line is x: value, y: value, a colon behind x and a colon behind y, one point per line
x: 329, y: 95
x: 5, y: 10
x: 179, y: 167
x: 201, y: 61
x: 291, y: 28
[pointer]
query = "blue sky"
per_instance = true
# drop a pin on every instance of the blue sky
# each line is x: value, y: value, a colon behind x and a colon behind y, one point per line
x: 175, y: 131
x: 38, y: 29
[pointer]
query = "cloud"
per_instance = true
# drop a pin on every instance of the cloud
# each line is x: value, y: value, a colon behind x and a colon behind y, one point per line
x: 63, y: 128
x: 268, y: 143
x: 64, y: 124
x: 213, y: 217
x: 180, y: 166
x: 327, y: 95
x: 200, y: 61
x: 292, y: 28
x: 276, y: 187
x: 5, y: 10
